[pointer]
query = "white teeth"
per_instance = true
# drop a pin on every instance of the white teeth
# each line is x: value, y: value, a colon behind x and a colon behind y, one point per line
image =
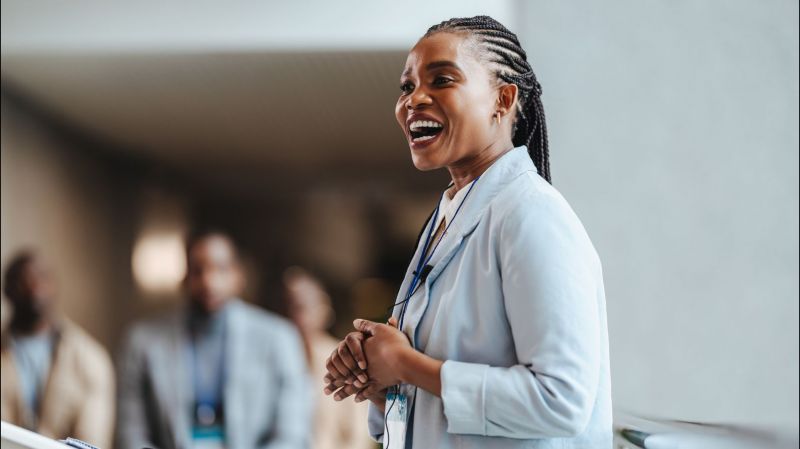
x: 424, y: 124
x: 423, y: 138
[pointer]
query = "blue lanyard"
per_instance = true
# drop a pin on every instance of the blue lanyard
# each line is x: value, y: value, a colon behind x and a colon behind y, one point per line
x: 418, y: 275
x: 207, y: 393
x: 423, y: 261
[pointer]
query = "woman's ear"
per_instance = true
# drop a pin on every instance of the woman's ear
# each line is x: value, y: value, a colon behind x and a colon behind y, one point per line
x: 506, y: 98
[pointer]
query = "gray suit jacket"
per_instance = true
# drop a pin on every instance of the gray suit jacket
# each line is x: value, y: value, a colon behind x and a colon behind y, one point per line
x: 267, y: 398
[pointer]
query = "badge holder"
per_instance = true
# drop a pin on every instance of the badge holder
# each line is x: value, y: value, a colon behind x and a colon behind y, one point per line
x: 396, y: 419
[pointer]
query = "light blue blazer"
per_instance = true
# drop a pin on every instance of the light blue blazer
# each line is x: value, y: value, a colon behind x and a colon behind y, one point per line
x: 515, y: 307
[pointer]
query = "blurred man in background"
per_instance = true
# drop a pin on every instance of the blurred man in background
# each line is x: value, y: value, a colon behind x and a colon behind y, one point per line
x: 336, y: 424
x: 56, y: 379
x: 218, y: 373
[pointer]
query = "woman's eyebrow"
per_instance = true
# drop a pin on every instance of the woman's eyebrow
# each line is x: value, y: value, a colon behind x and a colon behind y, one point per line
x: 439, y: 64
x: 435, y: 65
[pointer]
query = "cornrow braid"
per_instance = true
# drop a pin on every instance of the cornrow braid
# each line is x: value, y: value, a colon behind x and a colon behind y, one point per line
x: 530, y: 128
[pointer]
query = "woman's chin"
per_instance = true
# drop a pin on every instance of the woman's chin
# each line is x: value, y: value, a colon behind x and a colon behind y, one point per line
x: 423, y: 160
x: 423, y: 163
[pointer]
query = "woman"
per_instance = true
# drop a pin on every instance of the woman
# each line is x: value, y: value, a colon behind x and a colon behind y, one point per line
x: 335, y: 425
x: 498, y: 338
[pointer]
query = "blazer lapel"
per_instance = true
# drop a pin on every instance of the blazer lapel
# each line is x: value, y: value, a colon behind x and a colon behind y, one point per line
x: 448, y: 246
x: 511, y: 165
x: 235, y: 390
x: 12, y: 397
x: 407, y: 279
x: 172, y: 382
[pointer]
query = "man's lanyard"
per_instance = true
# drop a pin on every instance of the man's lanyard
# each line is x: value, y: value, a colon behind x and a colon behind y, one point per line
x: 208, y: 392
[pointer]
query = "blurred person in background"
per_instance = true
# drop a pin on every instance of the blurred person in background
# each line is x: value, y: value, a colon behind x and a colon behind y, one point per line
x: 56, y: 379
x: 336, y: 424
x: 216, y: 373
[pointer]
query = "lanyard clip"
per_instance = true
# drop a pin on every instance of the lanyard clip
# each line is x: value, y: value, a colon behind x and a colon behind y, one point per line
x: 426, y: 270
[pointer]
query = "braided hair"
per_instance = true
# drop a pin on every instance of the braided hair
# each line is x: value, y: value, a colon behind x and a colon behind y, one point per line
x: 504, y: 49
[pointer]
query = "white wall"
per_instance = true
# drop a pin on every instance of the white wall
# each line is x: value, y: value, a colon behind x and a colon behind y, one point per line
x: 674, y: 135
x: 68, y: 205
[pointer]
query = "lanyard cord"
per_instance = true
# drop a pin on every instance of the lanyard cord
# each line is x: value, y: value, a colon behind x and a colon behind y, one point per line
x: 423, y: 260
x: 412, y: 288
x: 205, y: 391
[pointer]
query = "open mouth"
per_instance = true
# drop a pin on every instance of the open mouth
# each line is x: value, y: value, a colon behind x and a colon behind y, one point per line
x: 424, y: 130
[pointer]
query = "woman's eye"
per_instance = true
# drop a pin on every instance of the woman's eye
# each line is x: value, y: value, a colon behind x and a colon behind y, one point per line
x: 440, y: 80
x: 406, y: 87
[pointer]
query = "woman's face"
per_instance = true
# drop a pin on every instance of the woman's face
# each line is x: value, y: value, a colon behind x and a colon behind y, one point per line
x: 447, y: 103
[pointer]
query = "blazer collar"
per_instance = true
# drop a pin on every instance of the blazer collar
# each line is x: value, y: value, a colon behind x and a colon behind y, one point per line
x: 505, y: 169
x: 236, y: 385
x: 498, y: 176
x: 170, y: 377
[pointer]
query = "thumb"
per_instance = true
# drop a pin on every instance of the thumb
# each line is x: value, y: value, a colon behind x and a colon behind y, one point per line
x: 365, y: 326
x: 392, y: 322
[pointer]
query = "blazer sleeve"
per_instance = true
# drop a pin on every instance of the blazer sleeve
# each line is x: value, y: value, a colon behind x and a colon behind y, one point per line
x: 551, y: 279
x: 95, y: 420
x: 293, y: 416
x: 132, y: 430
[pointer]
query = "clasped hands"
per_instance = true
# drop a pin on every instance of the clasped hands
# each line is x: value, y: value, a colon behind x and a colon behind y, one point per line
x: 367, y: 362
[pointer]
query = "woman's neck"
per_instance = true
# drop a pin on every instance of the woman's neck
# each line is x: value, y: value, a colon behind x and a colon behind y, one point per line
x: 468, y: 169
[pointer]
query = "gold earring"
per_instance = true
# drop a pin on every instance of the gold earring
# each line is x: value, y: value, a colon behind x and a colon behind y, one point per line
x: 497, y: 118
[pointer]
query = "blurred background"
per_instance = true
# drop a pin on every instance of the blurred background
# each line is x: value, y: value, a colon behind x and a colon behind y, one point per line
x: 673, y: 131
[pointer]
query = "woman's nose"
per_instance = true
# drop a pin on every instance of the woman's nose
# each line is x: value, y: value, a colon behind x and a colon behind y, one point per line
x: 418, y: 98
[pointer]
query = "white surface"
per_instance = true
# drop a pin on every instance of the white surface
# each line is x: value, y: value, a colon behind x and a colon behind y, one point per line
x: 674, y: 136
x: 14, y: 437
x: 682, y: 435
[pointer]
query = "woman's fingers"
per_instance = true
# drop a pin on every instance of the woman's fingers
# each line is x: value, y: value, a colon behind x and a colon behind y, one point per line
x: 344, y: 367
x: 333, y: 384
x: 336, y: 367
x: 347, y: 364
x: 354, y: 341
x: 337, y: 380
x: 346, y: 376
x: 351, y: 363
x: 368, y: 391
x: 344, y: 392
x: 365, y: 326
x: 360, y: 394
x: 333, y: 373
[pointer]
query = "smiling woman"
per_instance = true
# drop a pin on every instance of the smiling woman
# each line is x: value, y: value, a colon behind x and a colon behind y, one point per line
x: 483, y: 43
x: 498, y: 337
